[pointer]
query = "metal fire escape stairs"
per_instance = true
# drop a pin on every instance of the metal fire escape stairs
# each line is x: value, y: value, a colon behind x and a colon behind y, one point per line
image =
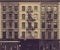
x: 30, y: 20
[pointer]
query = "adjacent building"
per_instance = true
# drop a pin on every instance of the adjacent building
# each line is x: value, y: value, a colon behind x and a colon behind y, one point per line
x: 24, y: 21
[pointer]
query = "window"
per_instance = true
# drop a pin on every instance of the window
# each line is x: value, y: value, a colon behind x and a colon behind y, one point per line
x: 23, y: 25
x: 29, y: 25
x: 55, y: 35
x: 29, y: 8
x: 43, y: 16
x: 4, y: 8
x: 4, y: 16
x: 10, y: 8
x: 23, y: 8
x: 55, y: 25
x: 10, y: 16
x: 16, y: 16
x: 16, y: 34
x: 49, y: 16
x: 49, y: 35
x: 16, y: 8
x: 36, y: 16
x: 43, y: 25
x: 10, y: 24
x: 43, y: 8
x: 43, y: 35
x: 4, y: 35
x: 10, y: 35
x: 35, y: 25
x: 55, y: 16
x: 36, y: 8
x: 4, y: 24
x: 23, y: 16
x: 49, y: 25
x: 55, y: 8
x: 16, y: 25
x: 49, y: 8
x: 23, y: 34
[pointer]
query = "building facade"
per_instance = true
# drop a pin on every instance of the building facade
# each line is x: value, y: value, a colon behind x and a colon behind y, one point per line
x: 30, y: 25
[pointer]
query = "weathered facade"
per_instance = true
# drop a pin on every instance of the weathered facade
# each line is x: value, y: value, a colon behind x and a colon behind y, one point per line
x: 29, y: 25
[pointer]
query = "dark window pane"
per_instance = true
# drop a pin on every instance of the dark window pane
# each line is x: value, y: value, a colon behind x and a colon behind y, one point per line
x: 4, y: 35
x: 16, y: 16
x: 43, y: 25
x: 4, y: 16
x: 49, y: 25
x: 23, y: 16
x: 16, y: 8
x: 10, y: 24
x: 29, y: 25
x: 49, y: 35
x: 4, y: 24
x: 16, y: 25
x: 49, y: 16
x: 16, y: 35
x: 23, y: 8
x: 35, y: 25
x: 55, y: 35
x: 23, y: 34
x: 10, y: 16
x: 55, y: 25
x: 55, y: 16
x: 23, y: 25
x: 35, y: 7
x: 10, y: 35
x: 43, y: 35
x: 4, y: 8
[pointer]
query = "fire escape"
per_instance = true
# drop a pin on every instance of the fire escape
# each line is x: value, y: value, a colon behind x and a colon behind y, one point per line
x: 30, y: 20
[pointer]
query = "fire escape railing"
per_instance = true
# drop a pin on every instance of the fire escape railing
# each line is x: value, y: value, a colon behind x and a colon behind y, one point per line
x: 30, y: 20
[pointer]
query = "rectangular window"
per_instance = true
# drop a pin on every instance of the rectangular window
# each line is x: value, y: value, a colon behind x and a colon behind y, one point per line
x: 16, y: 8
x: 4, y: 24
x: 16, y: 16
x: 43, y: 8
x: 23, y: 25
x: 49, y: 25
x: 16, y: 24
x: 43, y: 35
x: 55, y: 16
x: 36, y: 8
x: 4, y: 35
x: 49, y: 35
x: 49, y: 16
x: 10, y: 8
x: 55, y: 25
x: 43, y: 25
x: 35, y: 25
x: 23, y: 16
x: 29, y: 25
x: 10, y: 24
x: 23, y: 8
x: 10, y: 35
x: 23, y: 34
x: 10, y: 16
x: 43, y: 16
x: 4, y: 8
x: 16, y: 35
x: 55, y: 35
x: 29, y: 8
x: 4, y: 16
